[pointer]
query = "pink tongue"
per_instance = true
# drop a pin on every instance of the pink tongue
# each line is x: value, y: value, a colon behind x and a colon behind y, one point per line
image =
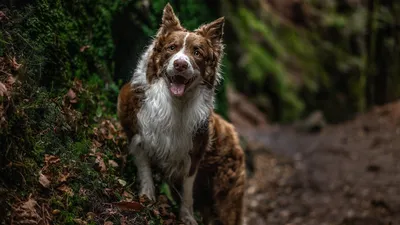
x: 177, y: 89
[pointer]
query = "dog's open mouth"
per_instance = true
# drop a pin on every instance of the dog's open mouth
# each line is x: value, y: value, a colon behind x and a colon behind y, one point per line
x: 179, y: 84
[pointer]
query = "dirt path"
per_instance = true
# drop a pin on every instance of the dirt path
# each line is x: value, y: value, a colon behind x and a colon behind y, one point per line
x: 348, y: 174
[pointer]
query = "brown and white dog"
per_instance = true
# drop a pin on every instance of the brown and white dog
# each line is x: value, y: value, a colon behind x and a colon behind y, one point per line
x: 167, y: 113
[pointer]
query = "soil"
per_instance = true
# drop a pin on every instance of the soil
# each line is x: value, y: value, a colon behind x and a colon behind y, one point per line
x: 345, y: 174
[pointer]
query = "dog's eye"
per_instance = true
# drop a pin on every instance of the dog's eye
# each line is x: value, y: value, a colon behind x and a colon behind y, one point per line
x: 172, y: 47
x: 196, y: 52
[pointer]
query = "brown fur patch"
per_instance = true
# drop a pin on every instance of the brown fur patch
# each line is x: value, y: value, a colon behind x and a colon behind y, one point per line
x: 203, y: 46
x: 220, y: 185
x: 129, y: 103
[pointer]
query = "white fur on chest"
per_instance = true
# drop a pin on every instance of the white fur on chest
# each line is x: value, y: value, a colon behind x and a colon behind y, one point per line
x: 167, y: 124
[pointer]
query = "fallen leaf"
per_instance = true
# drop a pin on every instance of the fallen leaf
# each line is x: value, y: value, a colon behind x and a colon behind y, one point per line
x: 72, y: 96
x: 80, y: 221
x: 90, y: 215
x: 156, y: 212
x: 164, y: 209
x: 3, y: 90
x: 101, y: 166
x: 64, y: 188
x: 78, y: 85
x: 55, y: 212
x: 14, y: 64
x: 122, y: 182
x: 113, y: 163
x: 108, y: 223
x: 43, y: 180
x: 10, y: 80
x: 129, y: 206
x: 95, y: 145
x: 83, y: 48
x: 127, y: 196
x: 51, y: 159
x: 63, y: 177
x: 26, y: 213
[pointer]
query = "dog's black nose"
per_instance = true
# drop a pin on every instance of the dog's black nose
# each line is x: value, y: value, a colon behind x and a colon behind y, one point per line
x: 180, y: 65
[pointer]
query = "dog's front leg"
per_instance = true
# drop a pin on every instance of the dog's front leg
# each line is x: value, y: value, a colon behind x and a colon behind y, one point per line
x: 186, y: 211
x: 143, y: 166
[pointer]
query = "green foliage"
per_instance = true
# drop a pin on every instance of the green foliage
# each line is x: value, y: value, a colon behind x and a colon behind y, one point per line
x: 61, y: 46
x: 315, y: 59
x: 269, y: 57
x: 64, y: 92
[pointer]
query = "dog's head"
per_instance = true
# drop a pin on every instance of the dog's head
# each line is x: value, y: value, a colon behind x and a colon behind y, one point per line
x: 186, y: 59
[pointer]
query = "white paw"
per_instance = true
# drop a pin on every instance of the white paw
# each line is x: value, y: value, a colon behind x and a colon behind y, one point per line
x: 186, y: 216
x: 148, y: 190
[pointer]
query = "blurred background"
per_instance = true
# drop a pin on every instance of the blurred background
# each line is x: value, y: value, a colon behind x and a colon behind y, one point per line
x: 312, y: 86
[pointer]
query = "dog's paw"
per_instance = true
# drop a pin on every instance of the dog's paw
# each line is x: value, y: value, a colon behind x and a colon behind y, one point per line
x: 186, y: 216
x: 189, y: 220
x: 149, y: 192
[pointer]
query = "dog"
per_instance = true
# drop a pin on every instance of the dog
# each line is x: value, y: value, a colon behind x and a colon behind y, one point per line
x: 167, y: 113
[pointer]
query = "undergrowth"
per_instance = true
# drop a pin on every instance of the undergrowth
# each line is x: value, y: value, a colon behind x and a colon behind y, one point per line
x: 61, y: 148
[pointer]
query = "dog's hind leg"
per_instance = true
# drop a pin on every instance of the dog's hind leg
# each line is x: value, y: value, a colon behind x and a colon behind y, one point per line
x: 229, y: 187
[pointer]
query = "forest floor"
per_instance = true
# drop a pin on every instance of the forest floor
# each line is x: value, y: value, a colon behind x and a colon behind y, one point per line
x: 345, y: 174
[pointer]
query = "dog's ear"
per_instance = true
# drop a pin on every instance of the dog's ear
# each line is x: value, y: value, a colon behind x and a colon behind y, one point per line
x: 169, y: 21
x: 213, y: 31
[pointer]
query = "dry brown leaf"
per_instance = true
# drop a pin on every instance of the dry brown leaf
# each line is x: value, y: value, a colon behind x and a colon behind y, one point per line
x: 108, y: 223
x: 78, y: 85
x: 55, y: 212
x: 129, y: 206
x: 72, y: 96
x: 156, y: 212
x: 80, y: 221
x: 83, y: 48
x: 113, y: 163
x: 101, y: 166
x: 43, y: 180
x: 51, y: 159
x: 14, y: 64
x: 3, y: 90
x: 63, y: 177
x: 64, y: 188
x: 95, y: 145
x: 164, y: 209
x: 10, y: 80
x: 26, y: 213
x: 127, y: 196
x: 91, y: 215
